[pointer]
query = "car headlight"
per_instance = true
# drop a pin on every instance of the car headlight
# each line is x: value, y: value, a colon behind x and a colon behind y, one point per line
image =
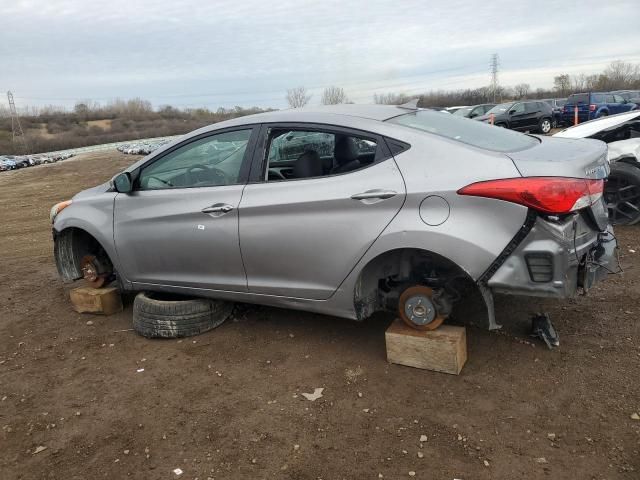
x: 57, y: 208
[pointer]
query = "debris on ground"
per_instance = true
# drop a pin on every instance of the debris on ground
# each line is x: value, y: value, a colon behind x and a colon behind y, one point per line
x: 635, y: 416
x: 317, y: 393
x: 541, y: 327
x: 39, y: 449
x: 177, y: 471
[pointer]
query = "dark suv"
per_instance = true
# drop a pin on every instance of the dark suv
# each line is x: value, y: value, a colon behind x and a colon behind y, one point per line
x: 594, y: 105
x: 523, y: 116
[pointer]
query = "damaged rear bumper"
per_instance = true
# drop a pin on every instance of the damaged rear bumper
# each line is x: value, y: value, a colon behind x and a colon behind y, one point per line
x: 557, y: 258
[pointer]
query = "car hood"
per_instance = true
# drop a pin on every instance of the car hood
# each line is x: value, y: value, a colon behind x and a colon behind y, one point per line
x: 89, y: 192
x: 624, y: 148
x: 594, y: 128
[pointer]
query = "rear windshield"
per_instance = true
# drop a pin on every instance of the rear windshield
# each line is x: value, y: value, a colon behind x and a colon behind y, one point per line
x: 471, y: 132
x: 578, y: 98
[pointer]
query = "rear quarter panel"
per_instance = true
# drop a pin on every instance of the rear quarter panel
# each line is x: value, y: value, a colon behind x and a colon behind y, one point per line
x: 476, y: 230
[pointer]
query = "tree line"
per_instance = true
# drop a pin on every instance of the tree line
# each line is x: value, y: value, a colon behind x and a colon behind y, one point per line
x: 618, y: 75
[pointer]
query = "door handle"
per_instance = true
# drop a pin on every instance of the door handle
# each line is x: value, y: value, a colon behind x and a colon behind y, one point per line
x: 381, y: 194
x: 221, y: 208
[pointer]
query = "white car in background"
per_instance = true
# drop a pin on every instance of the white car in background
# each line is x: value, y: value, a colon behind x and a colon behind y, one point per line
x: 622, y: 134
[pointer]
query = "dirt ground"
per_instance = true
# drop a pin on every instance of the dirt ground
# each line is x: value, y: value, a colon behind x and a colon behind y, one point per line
x: 228, y: 404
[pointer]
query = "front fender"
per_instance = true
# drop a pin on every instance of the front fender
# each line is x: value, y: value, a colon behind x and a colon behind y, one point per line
x: 93, y: 215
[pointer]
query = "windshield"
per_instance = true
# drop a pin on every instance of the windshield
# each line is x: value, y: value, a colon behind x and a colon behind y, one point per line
x: 471, y: 132
x: 463, y: 112
x: 503, y: 107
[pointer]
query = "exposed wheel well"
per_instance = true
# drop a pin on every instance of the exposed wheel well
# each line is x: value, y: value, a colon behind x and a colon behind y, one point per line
x: 70, y: 246
x: 383, y: 279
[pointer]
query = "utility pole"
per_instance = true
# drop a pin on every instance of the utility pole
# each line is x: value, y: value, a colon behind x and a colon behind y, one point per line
x: 493, y: 66
x: 16, y: 128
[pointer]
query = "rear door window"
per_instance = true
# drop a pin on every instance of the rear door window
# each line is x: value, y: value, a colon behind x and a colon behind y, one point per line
x: 296, y: 154
x: 532, y: 107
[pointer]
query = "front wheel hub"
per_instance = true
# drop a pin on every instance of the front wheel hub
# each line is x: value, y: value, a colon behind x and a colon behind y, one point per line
x: 92, y: 271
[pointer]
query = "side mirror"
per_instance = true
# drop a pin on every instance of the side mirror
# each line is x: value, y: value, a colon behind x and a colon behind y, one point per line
x: 511, y: 112
x: 122, y: 183
x: 473, y: 115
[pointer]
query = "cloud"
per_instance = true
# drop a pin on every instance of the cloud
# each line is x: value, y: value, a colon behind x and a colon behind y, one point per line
x: 249, y: 52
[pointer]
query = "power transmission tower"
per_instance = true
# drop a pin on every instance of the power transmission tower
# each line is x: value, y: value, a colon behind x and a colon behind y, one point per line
x: 495, y: 63
x: 16, y: 128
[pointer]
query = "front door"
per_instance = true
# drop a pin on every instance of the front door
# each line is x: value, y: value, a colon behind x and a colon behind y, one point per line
x: 323, y: 197
x: 517, y: 117
x: 179, y: 226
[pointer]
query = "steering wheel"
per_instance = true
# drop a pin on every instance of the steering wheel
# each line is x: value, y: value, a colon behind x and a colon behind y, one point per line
x: 216, y: 173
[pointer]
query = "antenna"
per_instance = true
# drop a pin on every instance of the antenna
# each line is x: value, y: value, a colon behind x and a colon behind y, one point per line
x: 16, y: 128
x: 493, y: 69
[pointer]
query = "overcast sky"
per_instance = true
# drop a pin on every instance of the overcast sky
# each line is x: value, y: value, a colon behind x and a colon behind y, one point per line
x: 248, y: 52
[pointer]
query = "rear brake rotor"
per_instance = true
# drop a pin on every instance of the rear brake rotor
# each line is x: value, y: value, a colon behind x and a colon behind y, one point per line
x: 92, y: 271
x: 416, y: 308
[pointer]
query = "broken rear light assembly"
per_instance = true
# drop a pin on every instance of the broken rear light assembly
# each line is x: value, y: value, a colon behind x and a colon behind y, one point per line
x: 550, y: 195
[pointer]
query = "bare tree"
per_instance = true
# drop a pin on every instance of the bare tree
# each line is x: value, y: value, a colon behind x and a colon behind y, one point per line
x: 334, y: 96
x: 562, y: 83
x: 390, y: 98
x: 591, y: 82
x: 579, y: 82
x: 620, y: 74
x: 521, y: 90
x: 297, y: 97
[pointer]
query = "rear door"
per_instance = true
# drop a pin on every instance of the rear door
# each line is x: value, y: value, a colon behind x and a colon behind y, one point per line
x: 305, y: 219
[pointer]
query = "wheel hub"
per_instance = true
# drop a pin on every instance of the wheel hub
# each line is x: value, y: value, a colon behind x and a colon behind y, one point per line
x: 420, y: 309
x: 92, y: 271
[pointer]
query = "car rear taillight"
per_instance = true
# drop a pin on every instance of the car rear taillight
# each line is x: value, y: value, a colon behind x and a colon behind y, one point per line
x: 553, y: 195
x: 592, y: 108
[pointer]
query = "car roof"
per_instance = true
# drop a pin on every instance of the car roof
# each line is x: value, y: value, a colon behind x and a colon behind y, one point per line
x: 372, y: 112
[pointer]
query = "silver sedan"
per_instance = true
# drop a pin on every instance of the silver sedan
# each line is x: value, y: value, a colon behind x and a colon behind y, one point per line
x: 347, y: 210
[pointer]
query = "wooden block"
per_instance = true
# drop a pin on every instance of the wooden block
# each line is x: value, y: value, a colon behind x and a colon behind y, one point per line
x: 442, y: 350
x: 96, y: 300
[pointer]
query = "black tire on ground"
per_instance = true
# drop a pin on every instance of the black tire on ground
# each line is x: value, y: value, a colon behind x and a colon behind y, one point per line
x: 502, y: 125
x: 622, y: 194
x: 158, y: 315
x: 602, y: 114
x: 545, y: 125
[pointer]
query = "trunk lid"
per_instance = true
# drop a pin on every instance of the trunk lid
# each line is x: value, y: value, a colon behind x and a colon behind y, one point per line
x: 563, y: 157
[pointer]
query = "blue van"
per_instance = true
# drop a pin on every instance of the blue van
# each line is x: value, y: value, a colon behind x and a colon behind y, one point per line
x: 594, y: 105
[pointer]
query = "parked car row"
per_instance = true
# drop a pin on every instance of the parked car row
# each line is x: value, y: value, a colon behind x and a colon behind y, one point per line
x: 592, y: 105
x: 543, y: 115
x: 141, y: 148
x: 13, y: 162
x: 523, y: 116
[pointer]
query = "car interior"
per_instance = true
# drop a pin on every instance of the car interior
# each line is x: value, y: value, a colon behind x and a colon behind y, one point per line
x: 306, y: 154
